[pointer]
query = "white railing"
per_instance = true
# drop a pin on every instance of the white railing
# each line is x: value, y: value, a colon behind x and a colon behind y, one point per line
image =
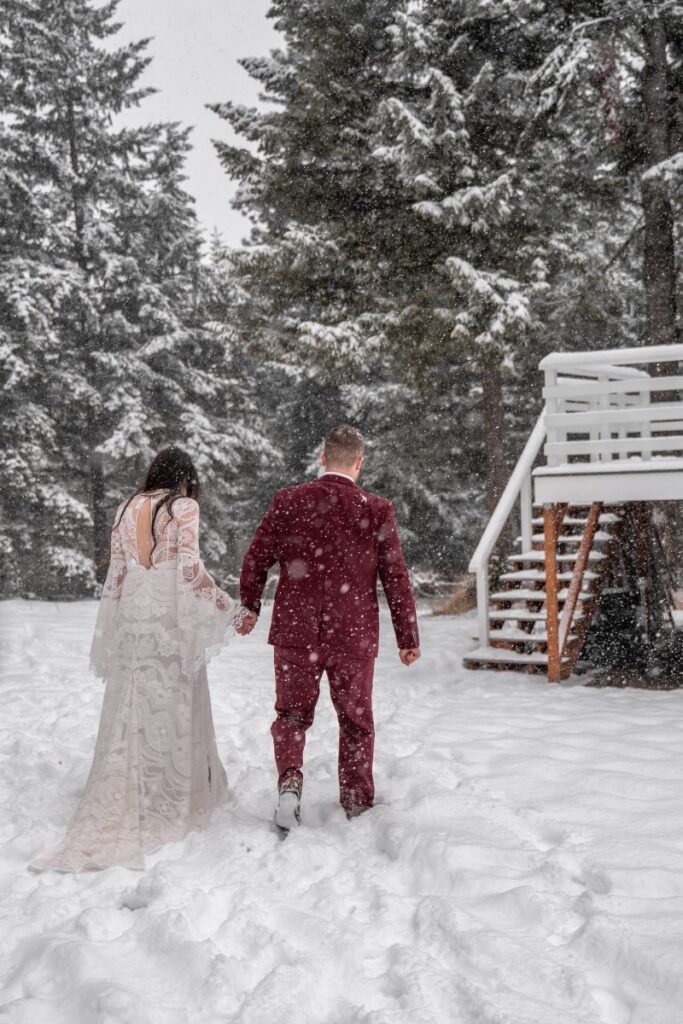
x: 598, y: 408
x: 518, y: 488
x: 601, y: 409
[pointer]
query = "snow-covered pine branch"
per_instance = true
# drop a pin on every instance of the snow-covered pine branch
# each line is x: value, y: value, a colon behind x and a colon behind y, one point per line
x: 668, y: 170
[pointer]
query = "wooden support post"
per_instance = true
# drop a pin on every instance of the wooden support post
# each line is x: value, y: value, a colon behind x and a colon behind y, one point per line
x: 578, y: 574
x: 551, y: 528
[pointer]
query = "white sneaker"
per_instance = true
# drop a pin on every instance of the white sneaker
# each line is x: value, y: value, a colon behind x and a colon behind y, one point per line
x: 288, y: 810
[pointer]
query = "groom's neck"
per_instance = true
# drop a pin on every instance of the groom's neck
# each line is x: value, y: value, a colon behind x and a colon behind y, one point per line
x: 350, y: 471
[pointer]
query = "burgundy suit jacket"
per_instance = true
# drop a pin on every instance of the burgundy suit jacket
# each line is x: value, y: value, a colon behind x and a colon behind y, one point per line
x: 332, y: 541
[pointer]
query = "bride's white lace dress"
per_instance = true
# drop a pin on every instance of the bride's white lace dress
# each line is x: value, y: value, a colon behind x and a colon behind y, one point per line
x: 156, y: 774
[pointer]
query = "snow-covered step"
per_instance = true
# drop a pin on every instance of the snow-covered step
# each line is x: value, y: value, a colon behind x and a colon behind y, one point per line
x: 520, y: 636
x: 575, y: 538
x: 521, y: 615
x: 499, y: 656
x: 605, y: 518
x: 539, y: 556
x: 538, y: 575
x: 522, y: 594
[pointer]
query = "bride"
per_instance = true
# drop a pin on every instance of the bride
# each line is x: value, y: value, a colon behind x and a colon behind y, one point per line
x: 156, y: 774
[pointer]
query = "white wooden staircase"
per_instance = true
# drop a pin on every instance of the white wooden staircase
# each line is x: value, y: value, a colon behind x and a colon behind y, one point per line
x: 612, y: 435
x: 518, y: 610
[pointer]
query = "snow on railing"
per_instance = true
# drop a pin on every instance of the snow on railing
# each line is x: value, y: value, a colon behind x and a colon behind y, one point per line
x: 601, y: 409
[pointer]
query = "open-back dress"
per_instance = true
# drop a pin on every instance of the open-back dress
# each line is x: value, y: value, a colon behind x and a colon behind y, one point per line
x: 156, y: 774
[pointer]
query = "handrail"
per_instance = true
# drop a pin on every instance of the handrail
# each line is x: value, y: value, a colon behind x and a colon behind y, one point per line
x: 518, y: 486
x: 507, y: 500
x: 614, y: 356
x: 597, y: 371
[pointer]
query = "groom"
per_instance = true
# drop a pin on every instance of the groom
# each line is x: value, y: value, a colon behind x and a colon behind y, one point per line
x: 332, y: 540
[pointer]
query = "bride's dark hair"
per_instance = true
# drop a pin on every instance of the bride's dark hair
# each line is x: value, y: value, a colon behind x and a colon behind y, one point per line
x: 172, y: 470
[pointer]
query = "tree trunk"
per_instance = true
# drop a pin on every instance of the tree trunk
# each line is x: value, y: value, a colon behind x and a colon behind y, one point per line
x: 659, y: 259
x: 659, y: 265
x: 99, y: 515
x: 492, y: 414
x: 77, y: 187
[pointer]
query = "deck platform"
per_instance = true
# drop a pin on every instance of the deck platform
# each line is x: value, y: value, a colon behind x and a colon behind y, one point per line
x: 611, y: 482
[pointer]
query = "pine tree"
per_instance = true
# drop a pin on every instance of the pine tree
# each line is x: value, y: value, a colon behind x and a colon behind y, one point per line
x: 434, y: 211
x: 328, y: 226
x: 103, y: 284
x: 311, y: 186
x: 519, y: 196
x: 42, y: 519
x: 245, y: 466
x: 616, y: 69
x: 443, y: 136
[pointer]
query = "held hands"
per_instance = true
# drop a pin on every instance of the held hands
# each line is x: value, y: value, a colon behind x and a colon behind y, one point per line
x: 409, y: 655
x: 248, y: 623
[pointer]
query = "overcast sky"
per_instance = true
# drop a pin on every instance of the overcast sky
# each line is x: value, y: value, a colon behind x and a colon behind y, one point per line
x: 195, y: 48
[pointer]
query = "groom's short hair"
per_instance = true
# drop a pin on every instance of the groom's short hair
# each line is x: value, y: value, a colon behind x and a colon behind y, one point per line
x: 344, y: 445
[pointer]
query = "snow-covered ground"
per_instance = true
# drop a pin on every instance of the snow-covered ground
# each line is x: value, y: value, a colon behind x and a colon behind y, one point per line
x: 524, y: 864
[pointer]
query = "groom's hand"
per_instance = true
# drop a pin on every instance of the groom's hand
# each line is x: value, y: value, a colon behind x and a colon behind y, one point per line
x: 248, y: 623
x: 409, y: 655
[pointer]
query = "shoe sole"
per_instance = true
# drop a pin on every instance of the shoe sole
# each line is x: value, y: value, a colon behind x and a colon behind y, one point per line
x: 281, y: 833
x: 287, y: 812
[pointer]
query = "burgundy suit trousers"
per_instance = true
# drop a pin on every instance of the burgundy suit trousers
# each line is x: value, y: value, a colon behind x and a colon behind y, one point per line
x: 297, y: 686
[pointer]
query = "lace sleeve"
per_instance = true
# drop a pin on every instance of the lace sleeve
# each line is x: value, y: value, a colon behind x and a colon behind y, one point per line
x: 190, y: 564
x: 105, y: 624
x: 207, y: 616
x: 117, y: 567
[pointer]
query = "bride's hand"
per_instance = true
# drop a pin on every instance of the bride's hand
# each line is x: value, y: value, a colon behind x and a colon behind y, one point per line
x: 247, y: 624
